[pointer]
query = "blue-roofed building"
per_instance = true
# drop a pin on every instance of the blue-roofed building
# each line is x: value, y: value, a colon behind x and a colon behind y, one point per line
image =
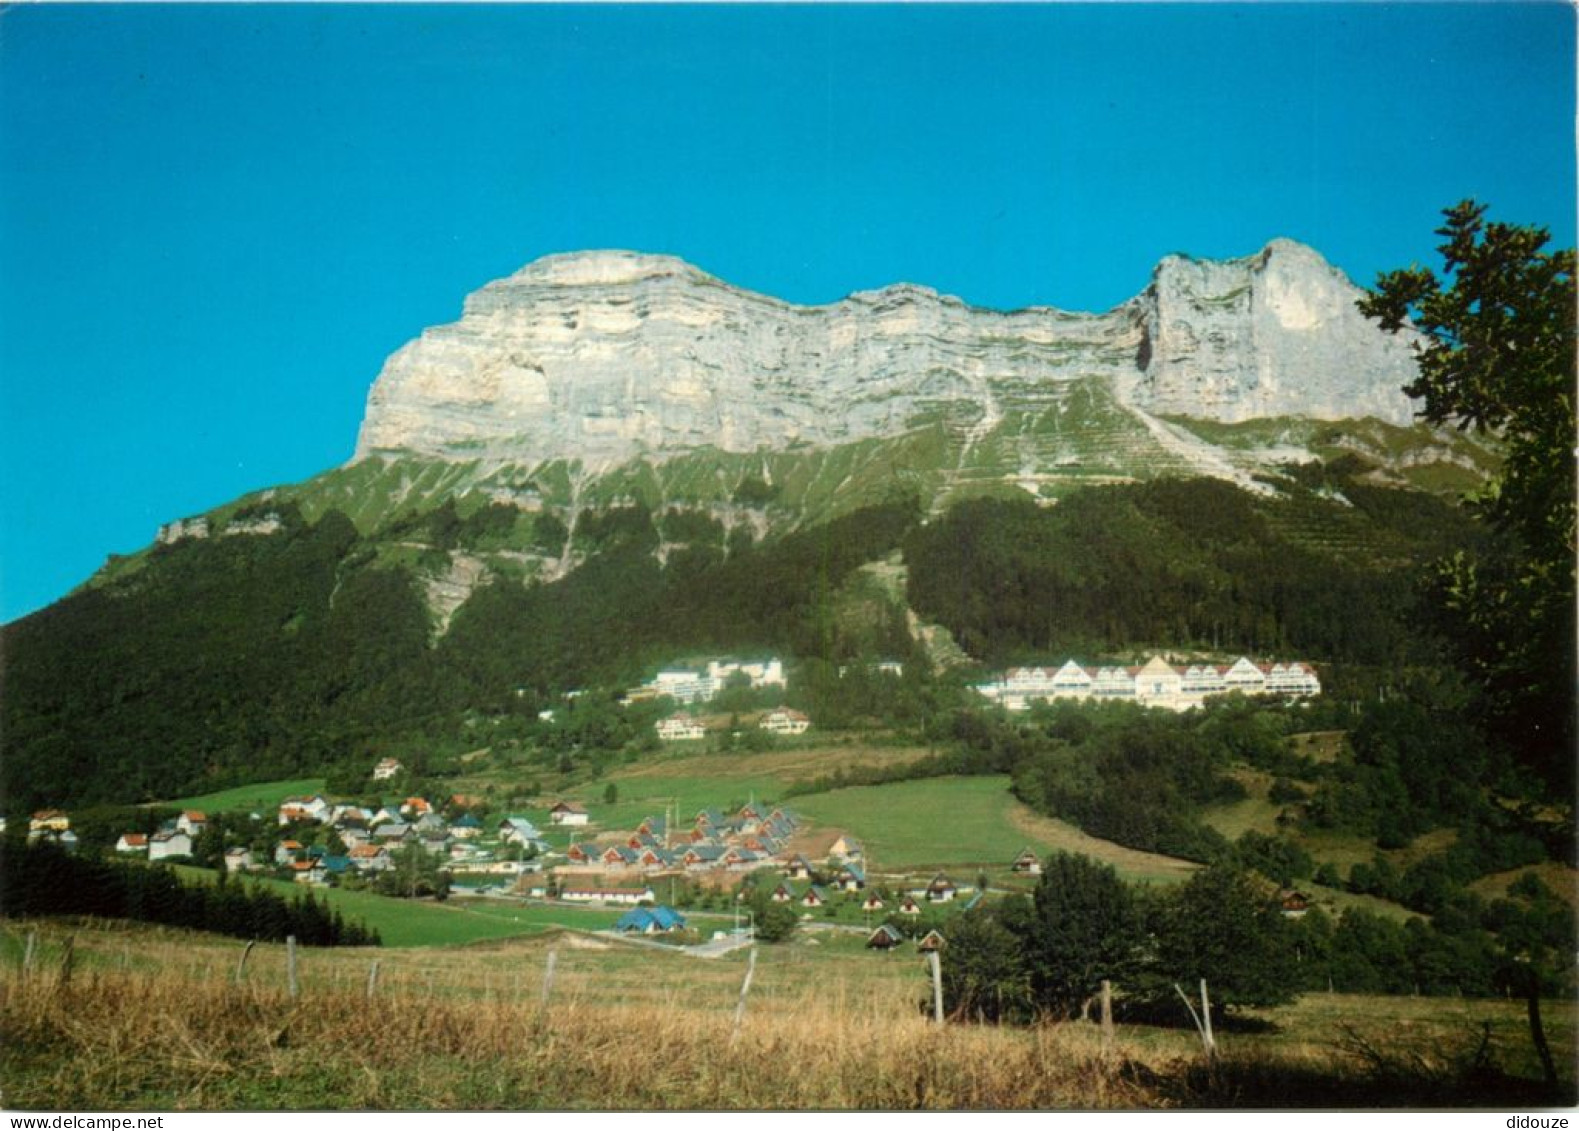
x: 650, y: 920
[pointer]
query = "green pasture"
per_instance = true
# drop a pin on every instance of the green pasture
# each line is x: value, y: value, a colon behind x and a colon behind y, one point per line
x: 260, y: 796
x: 953, y: 822
x: 406, y: 923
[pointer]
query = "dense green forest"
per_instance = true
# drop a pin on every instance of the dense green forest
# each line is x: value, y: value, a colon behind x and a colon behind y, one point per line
x: 243, y: 658
x: 1189, y: 563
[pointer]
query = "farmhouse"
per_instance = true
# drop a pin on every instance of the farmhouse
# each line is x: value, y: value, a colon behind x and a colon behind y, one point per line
x: 941, y: 889
x: 394, y: 832
x: 132, y: 842
x: 307, y: 871
x: 237, y: 860
x: 1027, y: 863
x: 1294, y: 904
x: 47, y: 821
x: 569, y: 813
x: 784, y: 721
x: 386, y: 769
x: 163, y: 846
x: 679, y: 728
x: 314, y: 808
x: 519, y: 830
x: 191, y: 822
x: 371, y: 858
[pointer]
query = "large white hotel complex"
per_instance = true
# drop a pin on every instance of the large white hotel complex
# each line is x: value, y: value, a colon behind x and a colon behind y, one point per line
x: 1155, y: 684
x: 687, y: 686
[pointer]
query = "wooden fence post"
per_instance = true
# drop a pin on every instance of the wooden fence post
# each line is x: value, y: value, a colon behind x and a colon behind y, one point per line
x: 548, y: 978
x: 372, y: 979
x: 290, y: 966
x: 937, y: 986
x: 67, y: 958
x: 1206, y: 1014
x: 29, y: 950
x: 1107, y: 1014
x: 745, y: 988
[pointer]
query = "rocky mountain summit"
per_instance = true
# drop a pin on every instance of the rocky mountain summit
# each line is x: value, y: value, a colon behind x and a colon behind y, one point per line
x: 608, y: 356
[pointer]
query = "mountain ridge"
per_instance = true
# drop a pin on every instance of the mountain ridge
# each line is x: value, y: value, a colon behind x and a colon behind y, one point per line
x: 610, y: 355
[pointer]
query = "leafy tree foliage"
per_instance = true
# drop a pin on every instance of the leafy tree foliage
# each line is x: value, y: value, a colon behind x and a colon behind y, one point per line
x: 1227, y: 926
x: 1086, y: 926
x: 1120, y: 772
x: 986, y: 976
x: 416, y: 873
x: 771, y: 922
x: 1498, y: 356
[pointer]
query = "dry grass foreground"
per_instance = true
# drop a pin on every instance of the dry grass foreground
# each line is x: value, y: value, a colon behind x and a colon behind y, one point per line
x: 108, y: 1041
x: 144, y: 1020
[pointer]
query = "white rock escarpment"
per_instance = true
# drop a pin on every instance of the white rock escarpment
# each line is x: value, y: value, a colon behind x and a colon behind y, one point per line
x: 603, y: 356
x: 1277, y: 334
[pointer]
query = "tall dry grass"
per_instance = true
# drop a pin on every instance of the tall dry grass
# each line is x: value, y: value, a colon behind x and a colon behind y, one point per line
x: 109, y: 1039
x: 155, y: 1018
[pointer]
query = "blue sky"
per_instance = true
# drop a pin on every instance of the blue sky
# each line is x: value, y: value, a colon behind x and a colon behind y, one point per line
x: 216, y: 222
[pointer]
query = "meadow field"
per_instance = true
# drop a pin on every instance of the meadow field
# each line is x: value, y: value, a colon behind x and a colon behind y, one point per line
x: 422, y: 923
x: 142, y: 1018
x: 263, y: 797
x: 963, y: 823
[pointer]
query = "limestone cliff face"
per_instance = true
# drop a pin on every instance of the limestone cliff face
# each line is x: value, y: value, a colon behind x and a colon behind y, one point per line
x: 605, y: 356
x: 1276, y: 334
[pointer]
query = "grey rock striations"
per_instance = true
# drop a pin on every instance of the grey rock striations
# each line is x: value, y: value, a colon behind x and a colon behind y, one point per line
x: 604, y: 356
x: 1276, y: 334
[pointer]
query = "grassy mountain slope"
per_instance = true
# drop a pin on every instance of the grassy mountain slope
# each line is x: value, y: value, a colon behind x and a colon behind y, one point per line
x: 294, y: 635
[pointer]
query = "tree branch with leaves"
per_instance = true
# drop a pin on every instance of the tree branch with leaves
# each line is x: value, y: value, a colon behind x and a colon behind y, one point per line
x: 1496, y: 354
